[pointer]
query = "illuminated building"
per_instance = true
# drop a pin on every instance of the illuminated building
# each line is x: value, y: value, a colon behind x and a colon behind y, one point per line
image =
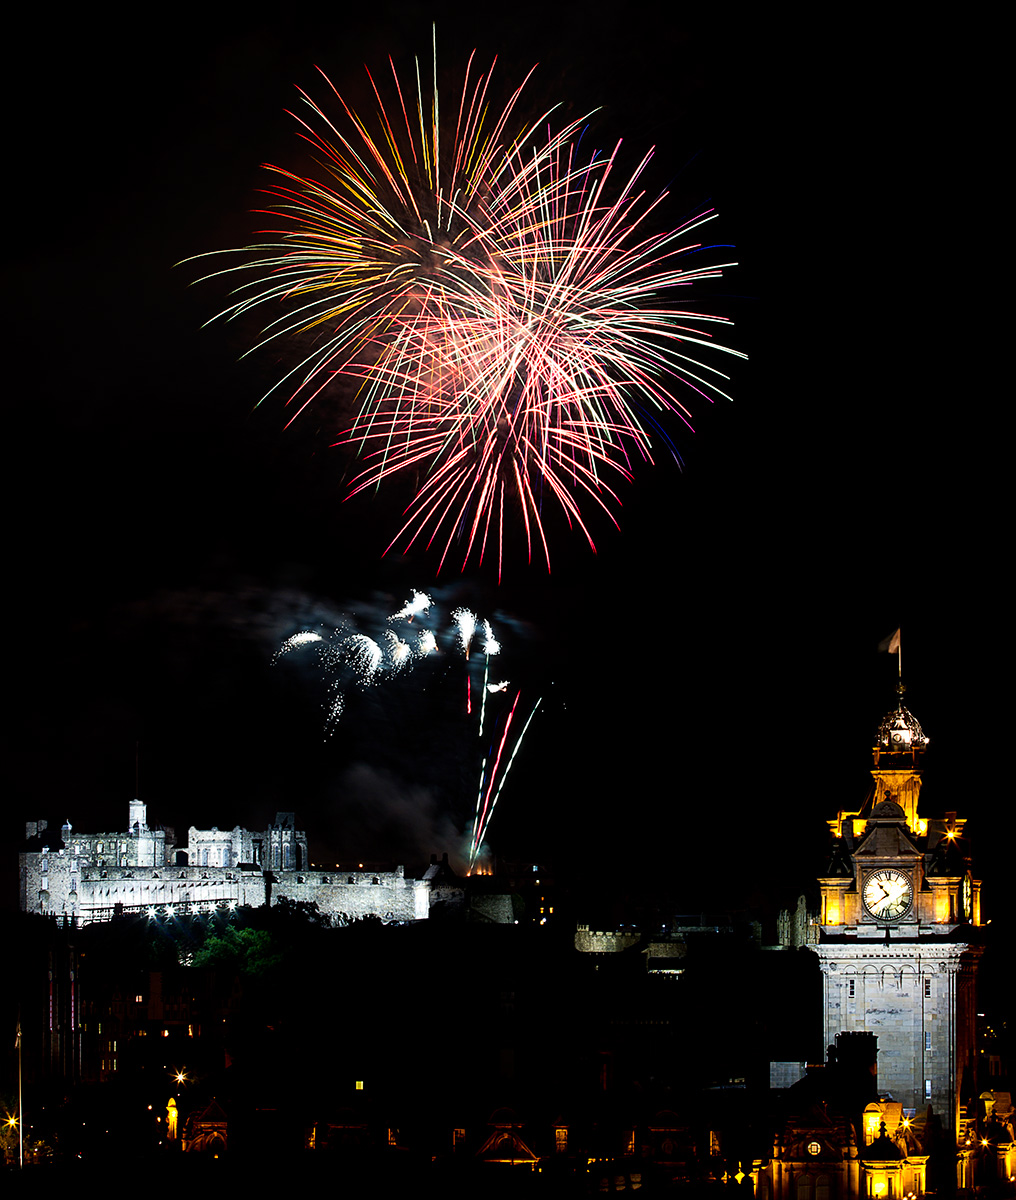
x: 899, y: 949
x: 86, y: 877
x: 899, y: 946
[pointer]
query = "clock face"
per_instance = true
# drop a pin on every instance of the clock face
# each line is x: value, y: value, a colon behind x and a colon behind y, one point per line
x: 888, y: 894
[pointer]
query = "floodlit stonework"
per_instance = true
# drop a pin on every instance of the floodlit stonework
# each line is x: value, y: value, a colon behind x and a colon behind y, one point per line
x: 86, y: 877
x: 899, y: 924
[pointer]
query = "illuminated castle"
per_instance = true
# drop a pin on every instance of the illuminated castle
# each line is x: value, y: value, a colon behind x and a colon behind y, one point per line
x: 86, y: 877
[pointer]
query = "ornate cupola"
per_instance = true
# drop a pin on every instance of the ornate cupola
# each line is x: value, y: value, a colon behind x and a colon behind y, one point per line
x: 898, y: 760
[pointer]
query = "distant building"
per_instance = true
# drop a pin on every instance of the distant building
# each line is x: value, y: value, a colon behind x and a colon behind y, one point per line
x: 86, y: 877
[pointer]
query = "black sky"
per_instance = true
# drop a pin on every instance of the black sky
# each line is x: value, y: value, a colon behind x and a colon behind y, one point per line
x: 710, y: 676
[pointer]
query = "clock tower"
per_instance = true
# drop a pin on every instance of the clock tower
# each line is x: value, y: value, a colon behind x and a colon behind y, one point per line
x: 899, y: 943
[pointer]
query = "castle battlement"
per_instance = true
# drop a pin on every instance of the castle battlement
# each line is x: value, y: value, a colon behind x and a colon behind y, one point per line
x: 86, y: 877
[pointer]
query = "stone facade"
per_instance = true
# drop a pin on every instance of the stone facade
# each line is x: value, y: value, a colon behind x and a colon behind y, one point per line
x: 91, y: 876
x: 919, y: 1001
x: 900, y: 938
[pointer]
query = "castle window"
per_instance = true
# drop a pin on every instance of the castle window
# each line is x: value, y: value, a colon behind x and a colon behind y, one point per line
x: 851, y: 985
x: 927, y: 989
x: 927, y: 1039
x: 375, y: 880
x: 927, y: 1089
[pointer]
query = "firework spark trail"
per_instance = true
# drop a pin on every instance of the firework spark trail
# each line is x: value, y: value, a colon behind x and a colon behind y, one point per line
x: 415, y: 606
x: 365, y: 655
x: 503, y: 305
x: 304, y: 638
x: 466, y: 622
x: 490, y: 646
x: 398, y: 650
x: 482, y: 819
x: 351, y: 657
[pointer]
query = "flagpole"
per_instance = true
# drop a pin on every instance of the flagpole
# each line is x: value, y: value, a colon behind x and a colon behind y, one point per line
x: 21, y: 1121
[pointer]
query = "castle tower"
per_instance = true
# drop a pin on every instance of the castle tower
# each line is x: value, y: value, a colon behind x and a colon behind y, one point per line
x: 899, y: 947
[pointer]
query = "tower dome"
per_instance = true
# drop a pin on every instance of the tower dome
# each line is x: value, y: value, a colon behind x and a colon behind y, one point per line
x: 900, y: 729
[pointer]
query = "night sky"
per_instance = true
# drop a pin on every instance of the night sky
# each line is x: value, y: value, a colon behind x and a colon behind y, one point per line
x: 710, y: 676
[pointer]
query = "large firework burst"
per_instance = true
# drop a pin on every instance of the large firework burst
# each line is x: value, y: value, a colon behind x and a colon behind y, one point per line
x: 509, y: 320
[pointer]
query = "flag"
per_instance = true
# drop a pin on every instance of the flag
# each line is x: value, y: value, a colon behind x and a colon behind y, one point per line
x: 891, y: 643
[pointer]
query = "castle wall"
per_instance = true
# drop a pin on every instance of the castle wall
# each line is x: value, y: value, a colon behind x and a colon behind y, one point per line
x: 96, y: 874
x: 591, y: 941
x: 386, y: 894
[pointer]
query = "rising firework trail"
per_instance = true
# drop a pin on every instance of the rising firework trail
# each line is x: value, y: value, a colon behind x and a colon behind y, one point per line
x: 499, y: 300
x: 493, y: 781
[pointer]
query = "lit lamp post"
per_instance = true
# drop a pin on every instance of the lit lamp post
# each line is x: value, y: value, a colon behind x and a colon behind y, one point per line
x: 19, y: 1119
x: 12, y: 1122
